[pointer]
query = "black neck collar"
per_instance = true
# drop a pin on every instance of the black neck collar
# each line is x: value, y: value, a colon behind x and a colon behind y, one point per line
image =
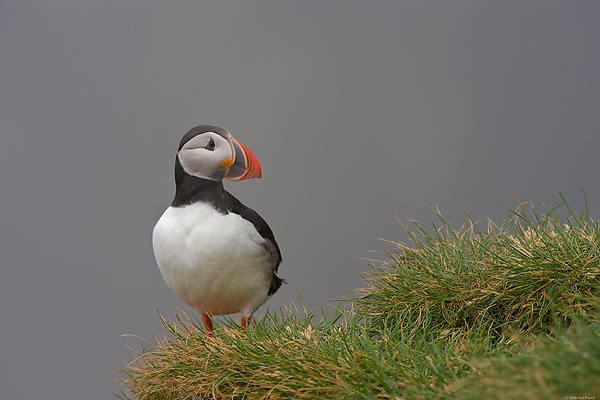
x: 190, y: 189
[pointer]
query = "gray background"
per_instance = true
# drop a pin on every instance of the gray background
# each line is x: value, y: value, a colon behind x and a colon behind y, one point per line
x: 356, y: 110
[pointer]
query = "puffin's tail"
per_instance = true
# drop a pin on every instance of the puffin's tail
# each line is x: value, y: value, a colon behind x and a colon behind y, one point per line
x: 275, y: 284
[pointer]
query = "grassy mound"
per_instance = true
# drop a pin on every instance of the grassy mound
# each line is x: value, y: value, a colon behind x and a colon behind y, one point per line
x: 508, y: 313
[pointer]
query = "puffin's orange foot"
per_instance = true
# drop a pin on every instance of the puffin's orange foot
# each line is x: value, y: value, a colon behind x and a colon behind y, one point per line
x: 246, y: 321
x: 207, y: 324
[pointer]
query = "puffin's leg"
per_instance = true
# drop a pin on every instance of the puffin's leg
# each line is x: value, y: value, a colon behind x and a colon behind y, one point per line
x: 246, y: 319
x: 207, y: 324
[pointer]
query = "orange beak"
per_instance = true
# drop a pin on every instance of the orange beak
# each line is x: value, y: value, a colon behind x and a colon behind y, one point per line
x: 245, y: 164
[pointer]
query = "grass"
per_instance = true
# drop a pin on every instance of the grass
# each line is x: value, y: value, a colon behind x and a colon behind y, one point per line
x: 510, y: 312
x: 559, y: 367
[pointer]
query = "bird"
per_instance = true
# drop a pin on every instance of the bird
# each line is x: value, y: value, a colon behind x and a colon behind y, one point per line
x: 215, y: 253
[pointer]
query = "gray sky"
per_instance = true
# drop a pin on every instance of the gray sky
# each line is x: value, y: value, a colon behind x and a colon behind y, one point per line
x: 356, y: 110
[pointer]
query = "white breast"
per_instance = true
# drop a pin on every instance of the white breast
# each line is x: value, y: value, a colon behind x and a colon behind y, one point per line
x: 213, y: 262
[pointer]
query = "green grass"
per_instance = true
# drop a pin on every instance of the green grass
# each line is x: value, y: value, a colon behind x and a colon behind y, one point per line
x: 508, y: 313
x: 566, y: 365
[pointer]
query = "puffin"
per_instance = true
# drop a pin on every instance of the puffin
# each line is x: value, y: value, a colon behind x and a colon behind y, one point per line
x: 215, y: 253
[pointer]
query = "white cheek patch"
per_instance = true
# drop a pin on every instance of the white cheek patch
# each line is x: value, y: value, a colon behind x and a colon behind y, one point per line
x: 191, y: 162
x: 201, y: 162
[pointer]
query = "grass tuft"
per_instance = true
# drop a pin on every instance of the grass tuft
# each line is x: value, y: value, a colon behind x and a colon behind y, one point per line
x: 560, y: 367
x: 524, y: 276
x: 509, y: 312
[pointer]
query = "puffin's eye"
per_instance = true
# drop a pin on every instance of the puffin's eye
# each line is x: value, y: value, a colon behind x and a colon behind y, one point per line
x: 210, y: 145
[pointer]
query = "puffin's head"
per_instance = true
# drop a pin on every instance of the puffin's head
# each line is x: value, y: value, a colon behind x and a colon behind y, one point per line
x: 210, y: 152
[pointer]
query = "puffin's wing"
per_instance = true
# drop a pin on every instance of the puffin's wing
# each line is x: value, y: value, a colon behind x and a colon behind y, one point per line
x: 259, y: 223
x: 265, y: 231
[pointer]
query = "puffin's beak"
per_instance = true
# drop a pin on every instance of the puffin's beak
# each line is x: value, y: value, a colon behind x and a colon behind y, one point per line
x: 245, y: 164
